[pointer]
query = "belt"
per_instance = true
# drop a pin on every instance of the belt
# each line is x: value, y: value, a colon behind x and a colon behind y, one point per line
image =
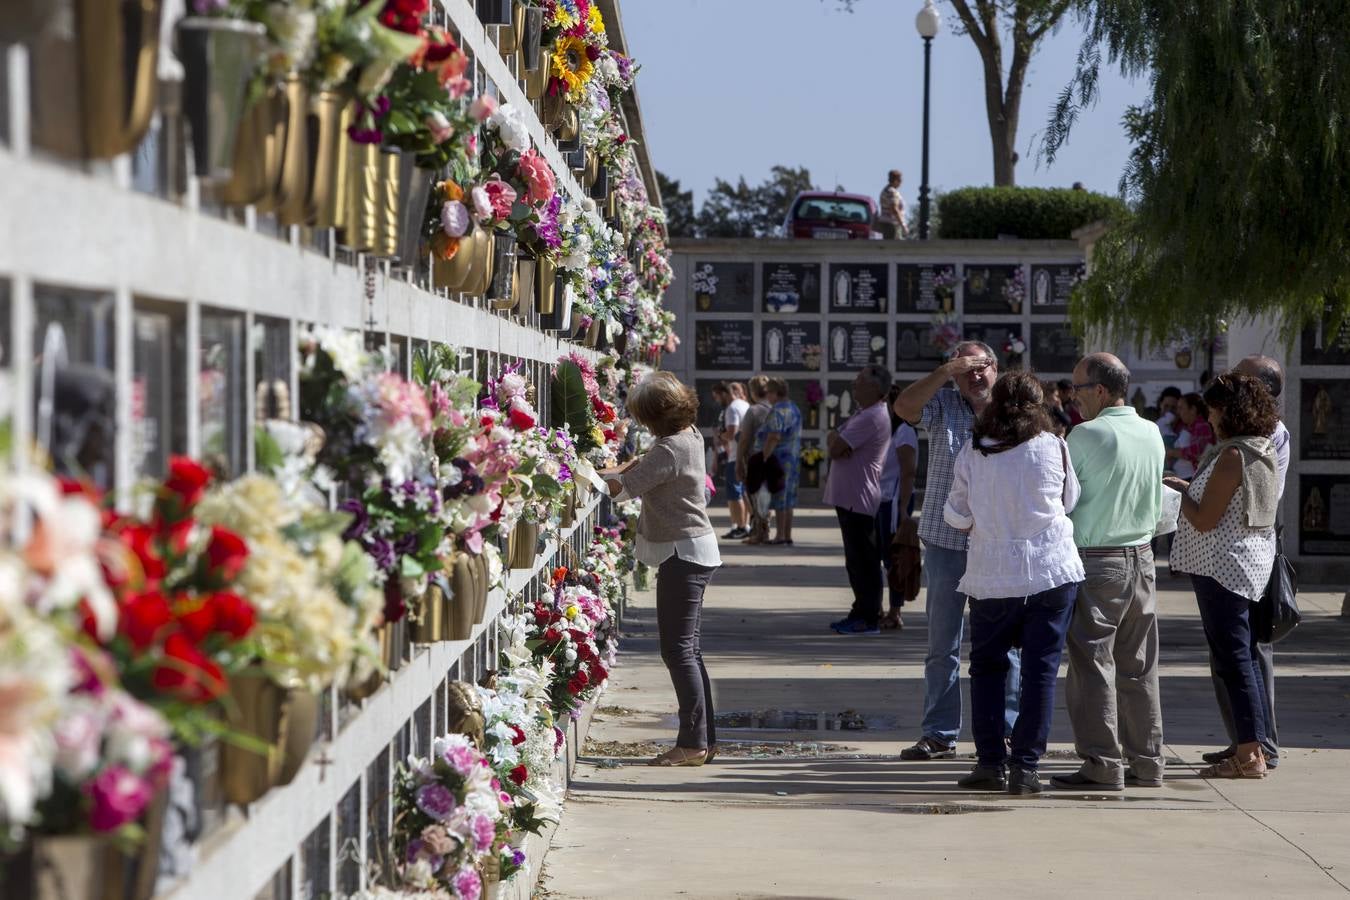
x: 1115, y: 551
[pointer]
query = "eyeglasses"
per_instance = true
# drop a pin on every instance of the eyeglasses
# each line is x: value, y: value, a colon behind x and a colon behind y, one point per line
x: 1087, y: 384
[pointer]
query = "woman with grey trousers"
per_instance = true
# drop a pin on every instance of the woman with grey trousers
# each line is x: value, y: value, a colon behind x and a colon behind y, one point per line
x: 674, y: 534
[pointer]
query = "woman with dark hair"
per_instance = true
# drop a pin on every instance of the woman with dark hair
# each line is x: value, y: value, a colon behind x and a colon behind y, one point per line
x: 1226, y: 542
x: 1194, y: 436
x: 893, y: 515
x: 1012, y: 491
x: 675, y: 536
x: 780, y: 437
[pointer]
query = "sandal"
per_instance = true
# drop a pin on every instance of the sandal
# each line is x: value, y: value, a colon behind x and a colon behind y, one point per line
x: 681, y: 756
x: 1237, y: 767
x: 891, y: 621
x: 780, y: 542
x: 711, y: 754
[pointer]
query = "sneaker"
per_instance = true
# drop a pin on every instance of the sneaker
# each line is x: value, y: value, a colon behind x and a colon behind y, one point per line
x: 984, y: 778
x: 1023, y: 781
x: 1077, y: 781
x: 928, y: 748
x: 855, y: 628
x: 1133, y: 780
x: 736, y: 534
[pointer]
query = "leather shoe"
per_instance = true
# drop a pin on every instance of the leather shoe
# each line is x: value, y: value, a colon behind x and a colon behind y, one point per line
x: 983, y: 778
x: 927, y: 748
x: 1218, y: 756
x: 1023, y: 781
x: 1077, y: 781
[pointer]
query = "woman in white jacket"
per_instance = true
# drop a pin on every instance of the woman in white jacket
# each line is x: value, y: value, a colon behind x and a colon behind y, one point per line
x: 1012, y: 491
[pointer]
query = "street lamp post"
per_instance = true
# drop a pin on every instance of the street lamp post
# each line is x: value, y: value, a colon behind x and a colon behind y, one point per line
x: 929, y: 23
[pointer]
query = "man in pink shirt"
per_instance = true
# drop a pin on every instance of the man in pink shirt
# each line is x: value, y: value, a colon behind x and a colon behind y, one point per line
x: 857, y: 453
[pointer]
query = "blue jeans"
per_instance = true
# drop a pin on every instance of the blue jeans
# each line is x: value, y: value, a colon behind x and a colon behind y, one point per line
x: 942, y: 667
x: 735, y: 488
x: 1038, y: 624
x: 1227, y: 620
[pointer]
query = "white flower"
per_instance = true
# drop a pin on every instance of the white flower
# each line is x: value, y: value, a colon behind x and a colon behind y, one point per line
x: 510, y: 126
x: 346, y: 350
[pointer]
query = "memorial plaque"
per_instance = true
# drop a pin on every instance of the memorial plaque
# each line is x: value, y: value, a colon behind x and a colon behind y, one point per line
x: 1324, y: 419
x: 994, y: 290
x: 1324, y: 515
x: 852, y: 345
x: 914, y: 349
x: 1054, y: 347
x: 790, y: 287
x: 839, y: 402
x: 790, y: 345
x: 810, y: 477
x: 724, y: 345
x: 800, y: 392
x: 723, y: 287
x: 1319, y: 348
x: 998, y: 335
x: 860, y: 287
x: 925, y: 288
x: 1052, y: 285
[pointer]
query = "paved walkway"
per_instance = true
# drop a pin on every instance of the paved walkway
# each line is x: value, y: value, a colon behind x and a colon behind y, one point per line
x: 836, y: 814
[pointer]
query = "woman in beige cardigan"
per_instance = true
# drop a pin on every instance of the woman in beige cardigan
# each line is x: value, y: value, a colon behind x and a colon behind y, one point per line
x: 675, y: 535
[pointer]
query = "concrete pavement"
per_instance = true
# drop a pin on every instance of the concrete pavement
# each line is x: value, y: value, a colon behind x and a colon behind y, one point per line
x: 795, y: 811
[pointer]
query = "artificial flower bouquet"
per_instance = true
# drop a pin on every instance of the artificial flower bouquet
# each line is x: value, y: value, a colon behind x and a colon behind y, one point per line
x: 567, y: 621
x: 579, y: 407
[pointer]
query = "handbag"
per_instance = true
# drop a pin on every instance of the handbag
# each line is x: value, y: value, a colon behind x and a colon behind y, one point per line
x: 1278, y: 613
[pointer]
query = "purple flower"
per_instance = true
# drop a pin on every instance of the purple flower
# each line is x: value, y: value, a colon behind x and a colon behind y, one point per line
x: 484, y: 832
x: 437, y: 801
x: 383, y: 553
x: 360, y: 520
x: 206, y: 7
x: 564, y: 473
x: 365, y: 135
x: 467, y: 885
x: 517, y: 857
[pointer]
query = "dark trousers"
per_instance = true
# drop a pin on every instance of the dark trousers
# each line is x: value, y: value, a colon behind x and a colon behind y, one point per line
x: 679, y: 614
x: 1039, y: 624
x: 884, y: 536
x: 1227, y: 620
x: 862, y: 559
x: 1263, y: 654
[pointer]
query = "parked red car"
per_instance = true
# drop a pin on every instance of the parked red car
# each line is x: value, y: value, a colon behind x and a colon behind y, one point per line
x: 830, y: 216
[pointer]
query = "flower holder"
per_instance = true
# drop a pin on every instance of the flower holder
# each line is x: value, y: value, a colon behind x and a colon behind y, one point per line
x: 484, y: 247
x: 256, y: 165
x: 325, y: 122
x: 524, y: 545
x: 218, y: 56
x: 599, y: 188
x: 494, y: 12
x: 536, y: 80
x: 285, y: 719
x: 559, y: 318
x: 87, y: 867
x: 414, y: 189
x: 433, y: 620
x: 363, y: 201
x: 387, y: 207
x: 291, y: 193
x: 482, y: 584
x: 569, y: 505
x: 527, y: 273
x: 94, y: 87
x: 621, y: 342
x: 545, y: 285
x: 462, y: 602
x: 502, y: 280
x: 453, y: 274
x: 531, y: 38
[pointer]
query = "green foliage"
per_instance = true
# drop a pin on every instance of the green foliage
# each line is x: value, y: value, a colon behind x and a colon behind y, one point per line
x: 742, y: 211
x: 985, y: 213
x: 571, y: 406
x: 678, y: 205
x: 1240, y: 166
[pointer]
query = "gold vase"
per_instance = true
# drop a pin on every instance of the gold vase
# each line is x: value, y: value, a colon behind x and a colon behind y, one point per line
x: 593, y: 334
x: 284, y: 719
x: 527, y: 280
x: 433, y: 621
x: 453, y: 274
x: 325, y: 123
x: 463, y: 588
x: 524, y: 545
x: 545, y: 285
x: 249, y: 167
x: 592, y: 171
x: 94, y: 87
x: 536, y: 80
x: 387, y: 209
x: 362, y: 210
x: 483, y: 583
x: 291, y: 193
x: 88, y: 867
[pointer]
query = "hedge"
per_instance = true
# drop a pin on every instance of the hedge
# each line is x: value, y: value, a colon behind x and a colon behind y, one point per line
x: 985, y: 213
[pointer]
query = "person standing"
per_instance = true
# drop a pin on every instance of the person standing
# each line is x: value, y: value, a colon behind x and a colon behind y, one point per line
x: 1012, y: 490
x: 891, y: 217
x: 675, y: 536
x: 1226, y: 542
x: 897, y: 502
x: 1112, y: 690
x: 1271, y: 374
x: 1167, y: 414
x: 731, y: 424
x: 948, y: 415
x: 751, y: 423
x: 857, y: 454
x: 780, y: 438
x: 1194, y: 435
x: 1067, y: 403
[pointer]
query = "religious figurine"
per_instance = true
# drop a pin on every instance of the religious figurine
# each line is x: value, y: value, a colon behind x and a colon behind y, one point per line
x: 838, y: 344
x: 843, y: 290
x: 773, y: 347
x: 1314, y: 512
x: 1321, y: 411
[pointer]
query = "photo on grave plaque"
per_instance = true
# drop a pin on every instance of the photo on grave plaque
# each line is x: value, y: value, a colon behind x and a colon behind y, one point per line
x: 999, y: 336
x: 1053, y: 284
x: 925, y: 288
x: 790, y: 345
x: 1324, y: 419
x: 1318, y: 347
x: 839, y: 402
x: 993, y: 290
x: 724, y: 344
x: 1054, y: 347
x: 790, y: 287
x: 723, y: 287
x: 859, y: 287
x: 852, y: 345
x: 1324, y: 515
x: 802, y: 392
x: 914, y: 348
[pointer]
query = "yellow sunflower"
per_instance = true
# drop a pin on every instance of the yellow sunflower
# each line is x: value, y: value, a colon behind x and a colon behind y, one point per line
x: 571, y: 65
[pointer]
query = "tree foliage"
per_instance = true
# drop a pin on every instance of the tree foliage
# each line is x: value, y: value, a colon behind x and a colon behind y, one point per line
x: 1240, y: 170
x: 742, y: 211
x: 986, y: 213
x: 678, y: 205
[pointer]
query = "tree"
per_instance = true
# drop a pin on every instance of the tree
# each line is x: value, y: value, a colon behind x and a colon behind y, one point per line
x: 1240, y: 171
x: 742, y: 211
x: 679, y: 207
x: 988, y: 23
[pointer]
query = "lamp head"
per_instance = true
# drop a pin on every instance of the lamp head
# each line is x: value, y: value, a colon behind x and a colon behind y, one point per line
x: 928, y: 21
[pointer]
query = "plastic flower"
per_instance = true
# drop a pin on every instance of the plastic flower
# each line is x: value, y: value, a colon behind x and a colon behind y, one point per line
x: 538, y: 176
x: 510, y: 127
x: 454, y: 219
x: 571, y: 65
x: 483, y: 107
x: 501, y: 196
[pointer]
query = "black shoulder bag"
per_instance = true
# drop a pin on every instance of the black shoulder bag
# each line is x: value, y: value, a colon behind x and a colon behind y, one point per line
x: 1277, y: 614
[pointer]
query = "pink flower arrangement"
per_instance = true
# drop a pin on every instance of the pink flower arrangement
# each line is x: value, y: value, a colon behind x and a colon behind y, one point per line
x: 482, y: 203
x: 483, y: 107
x: 537, y: 174
x: 501, y: 197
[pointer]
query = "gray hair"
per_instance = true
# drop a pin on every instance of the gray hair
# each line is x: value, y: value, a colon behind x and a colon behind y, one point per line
x: 879, y: 375
x: 1109, y: 372
x: 984, y: 348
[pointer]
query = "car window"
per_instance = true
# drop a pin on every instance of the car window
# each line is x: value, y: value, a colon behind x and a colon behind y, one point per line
x: 817, y: 210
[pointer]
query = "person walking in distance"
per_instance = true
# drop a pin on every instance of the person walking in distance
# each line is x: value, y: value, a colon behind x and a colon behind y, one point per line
x: 948, y: 414
x: 731, y: 424
x: 857, y: 453
x: 1112, y: 690
x: 891, y: 216
x: 751, y: 422
x: 1271, y: 374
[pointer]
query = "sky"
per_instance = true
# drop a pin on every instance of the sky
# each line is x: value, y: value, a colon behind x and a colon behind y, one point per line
x: 733, y: 87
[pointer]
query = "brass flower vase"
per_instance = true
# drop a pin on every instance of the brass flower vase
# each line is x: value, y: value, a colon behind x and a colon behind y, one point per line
x: 325, y: 123
x: 285, y: 719
x: 291, y: 194
x: 453, y: 274
x: 484, y: 256
x: 545, y: 285
x: 387, y: 206
x: 463, y: 590
x: 483, y: 584
x: 536, y: 80
x: 361, y: 215
x: 219, y: 57
x: 94, y: 82
x: 527, y: 272
x: 524, y: 545
x: 258, y: 151
x: 433, y: 621
x: 592, y: 336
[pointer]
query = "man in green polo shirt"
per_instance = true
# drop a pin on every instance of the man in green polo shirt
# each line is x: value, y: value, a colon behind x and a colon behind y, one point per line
x: 1112, y: 691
